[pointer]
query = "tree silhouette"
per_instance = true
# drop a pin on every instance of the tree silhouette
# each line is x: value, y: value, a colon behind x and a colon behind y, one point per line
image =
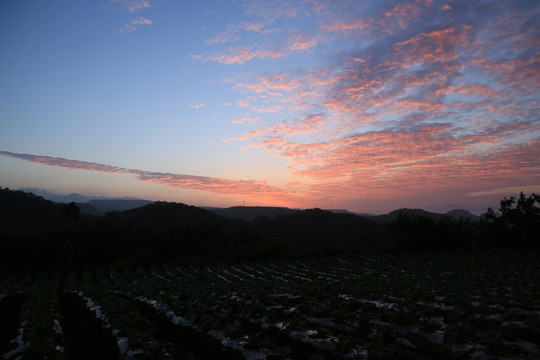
x: 517, y: 220
x: 71, y: 211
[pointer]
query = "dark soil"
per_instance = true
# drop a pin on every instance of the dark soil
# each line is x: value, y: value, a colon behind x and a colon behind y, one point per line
x: 84, y: 335
x: 187, y: 342
x: 10, y: 319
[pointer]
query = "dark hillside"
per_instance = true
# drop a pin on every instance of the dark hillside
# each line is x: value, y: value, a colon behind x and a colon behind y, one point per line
x: 462, y: 214
x: 319, y: 229
x: 394, y: 215
x: 250, y: 213
x: 106, y: 205
x: 162, y: 215
x: 89, y: 209
x: 22, y: 212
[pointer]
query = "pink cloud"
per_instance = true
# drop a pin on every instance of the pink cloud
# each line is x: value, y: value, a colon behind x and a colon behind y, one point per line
x: 425, y: 99
x: 237, y: 55
x: 128, y: 28
x: 270, y: 11
x: 435, y: 46
x: 319, y: 5
x: 249, y: 120
x: 279, y: 81
x: 228, y: 35
x: 272, y: 54
x: 301, y: 41
x: 408, y: 12
x: 259, y: 190
x: 251, y: 26
x: 133, y: 5
x: 242, y: 103
x: 345, y: 27
x: 231, y: 33
x: 302, y: 125
x: 196, y: 106
x: 142, y: 21
x: 482, y: 91
x: 446, y: 174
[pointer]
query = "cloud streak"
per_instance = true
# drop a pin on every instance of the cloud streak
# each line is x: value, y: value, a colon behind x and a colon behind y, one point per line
x: 190, y: 182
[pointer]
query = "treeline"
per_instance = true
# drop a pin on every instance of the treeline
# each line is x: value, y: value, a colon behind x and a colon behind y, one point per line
x: 38, y: 234
x: 515, y: 225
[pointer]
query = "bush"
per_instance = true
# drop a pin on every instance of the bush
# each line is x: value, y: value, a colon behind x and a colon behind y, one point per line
x: 517, y: 222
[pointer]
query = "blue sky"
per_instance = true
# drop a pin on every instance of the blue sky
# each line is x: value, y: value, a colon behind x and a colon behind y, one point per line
x: 363, y: 105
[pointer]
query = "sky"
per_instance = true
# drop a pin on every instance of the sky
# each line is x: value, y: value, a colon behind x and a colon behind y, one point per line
x: 367, y: 106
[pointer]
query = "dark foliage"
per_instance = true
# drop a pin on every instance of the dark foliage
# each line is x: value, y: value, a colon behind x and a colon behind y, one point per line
x: 22, y: 212
x: 250, y: 213
x: 319, y: 230
x: 516, y: 223
x: 414, y: 233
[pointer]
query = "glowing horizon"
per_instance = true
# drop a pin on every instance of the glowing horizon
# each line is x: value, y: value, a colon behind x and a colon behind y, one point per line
x: 364, y: 106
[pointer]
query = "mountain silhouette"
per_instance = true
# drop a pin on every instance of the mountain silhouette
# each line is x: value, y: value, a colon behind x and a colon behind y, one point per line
x: 250, y: 213
x: 463, y: 214
x: 161, y: 215
x: 106, y: 205
x: 393, y: 215
x: 22, y: 212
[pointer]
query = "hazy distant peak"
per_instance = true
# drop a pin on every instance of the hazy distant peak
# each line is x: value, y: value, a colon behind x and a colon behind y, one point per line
x: 462, y: 213
x: 102, y: 203
x: 117, y: 204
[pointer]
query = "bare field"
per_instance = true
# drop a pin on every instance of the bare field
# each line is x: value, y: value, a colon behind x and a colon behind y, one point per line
x: 385, y: 306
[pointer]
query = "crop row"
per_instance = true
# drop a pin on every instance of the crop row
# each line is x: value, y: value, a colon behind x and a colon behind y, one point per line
x: 372, y: 306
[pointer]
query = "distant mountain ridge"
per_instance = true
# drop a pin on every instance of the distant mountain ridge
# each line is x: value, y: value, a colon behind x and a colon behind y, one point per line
x: 93, y: 205
x: 73, y: 197
x: 313, y: 229
x: 393, y: 215
x: 463, y: 214
x: 107, y: 205
x: 100, y: 205
x: 250, y: 213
